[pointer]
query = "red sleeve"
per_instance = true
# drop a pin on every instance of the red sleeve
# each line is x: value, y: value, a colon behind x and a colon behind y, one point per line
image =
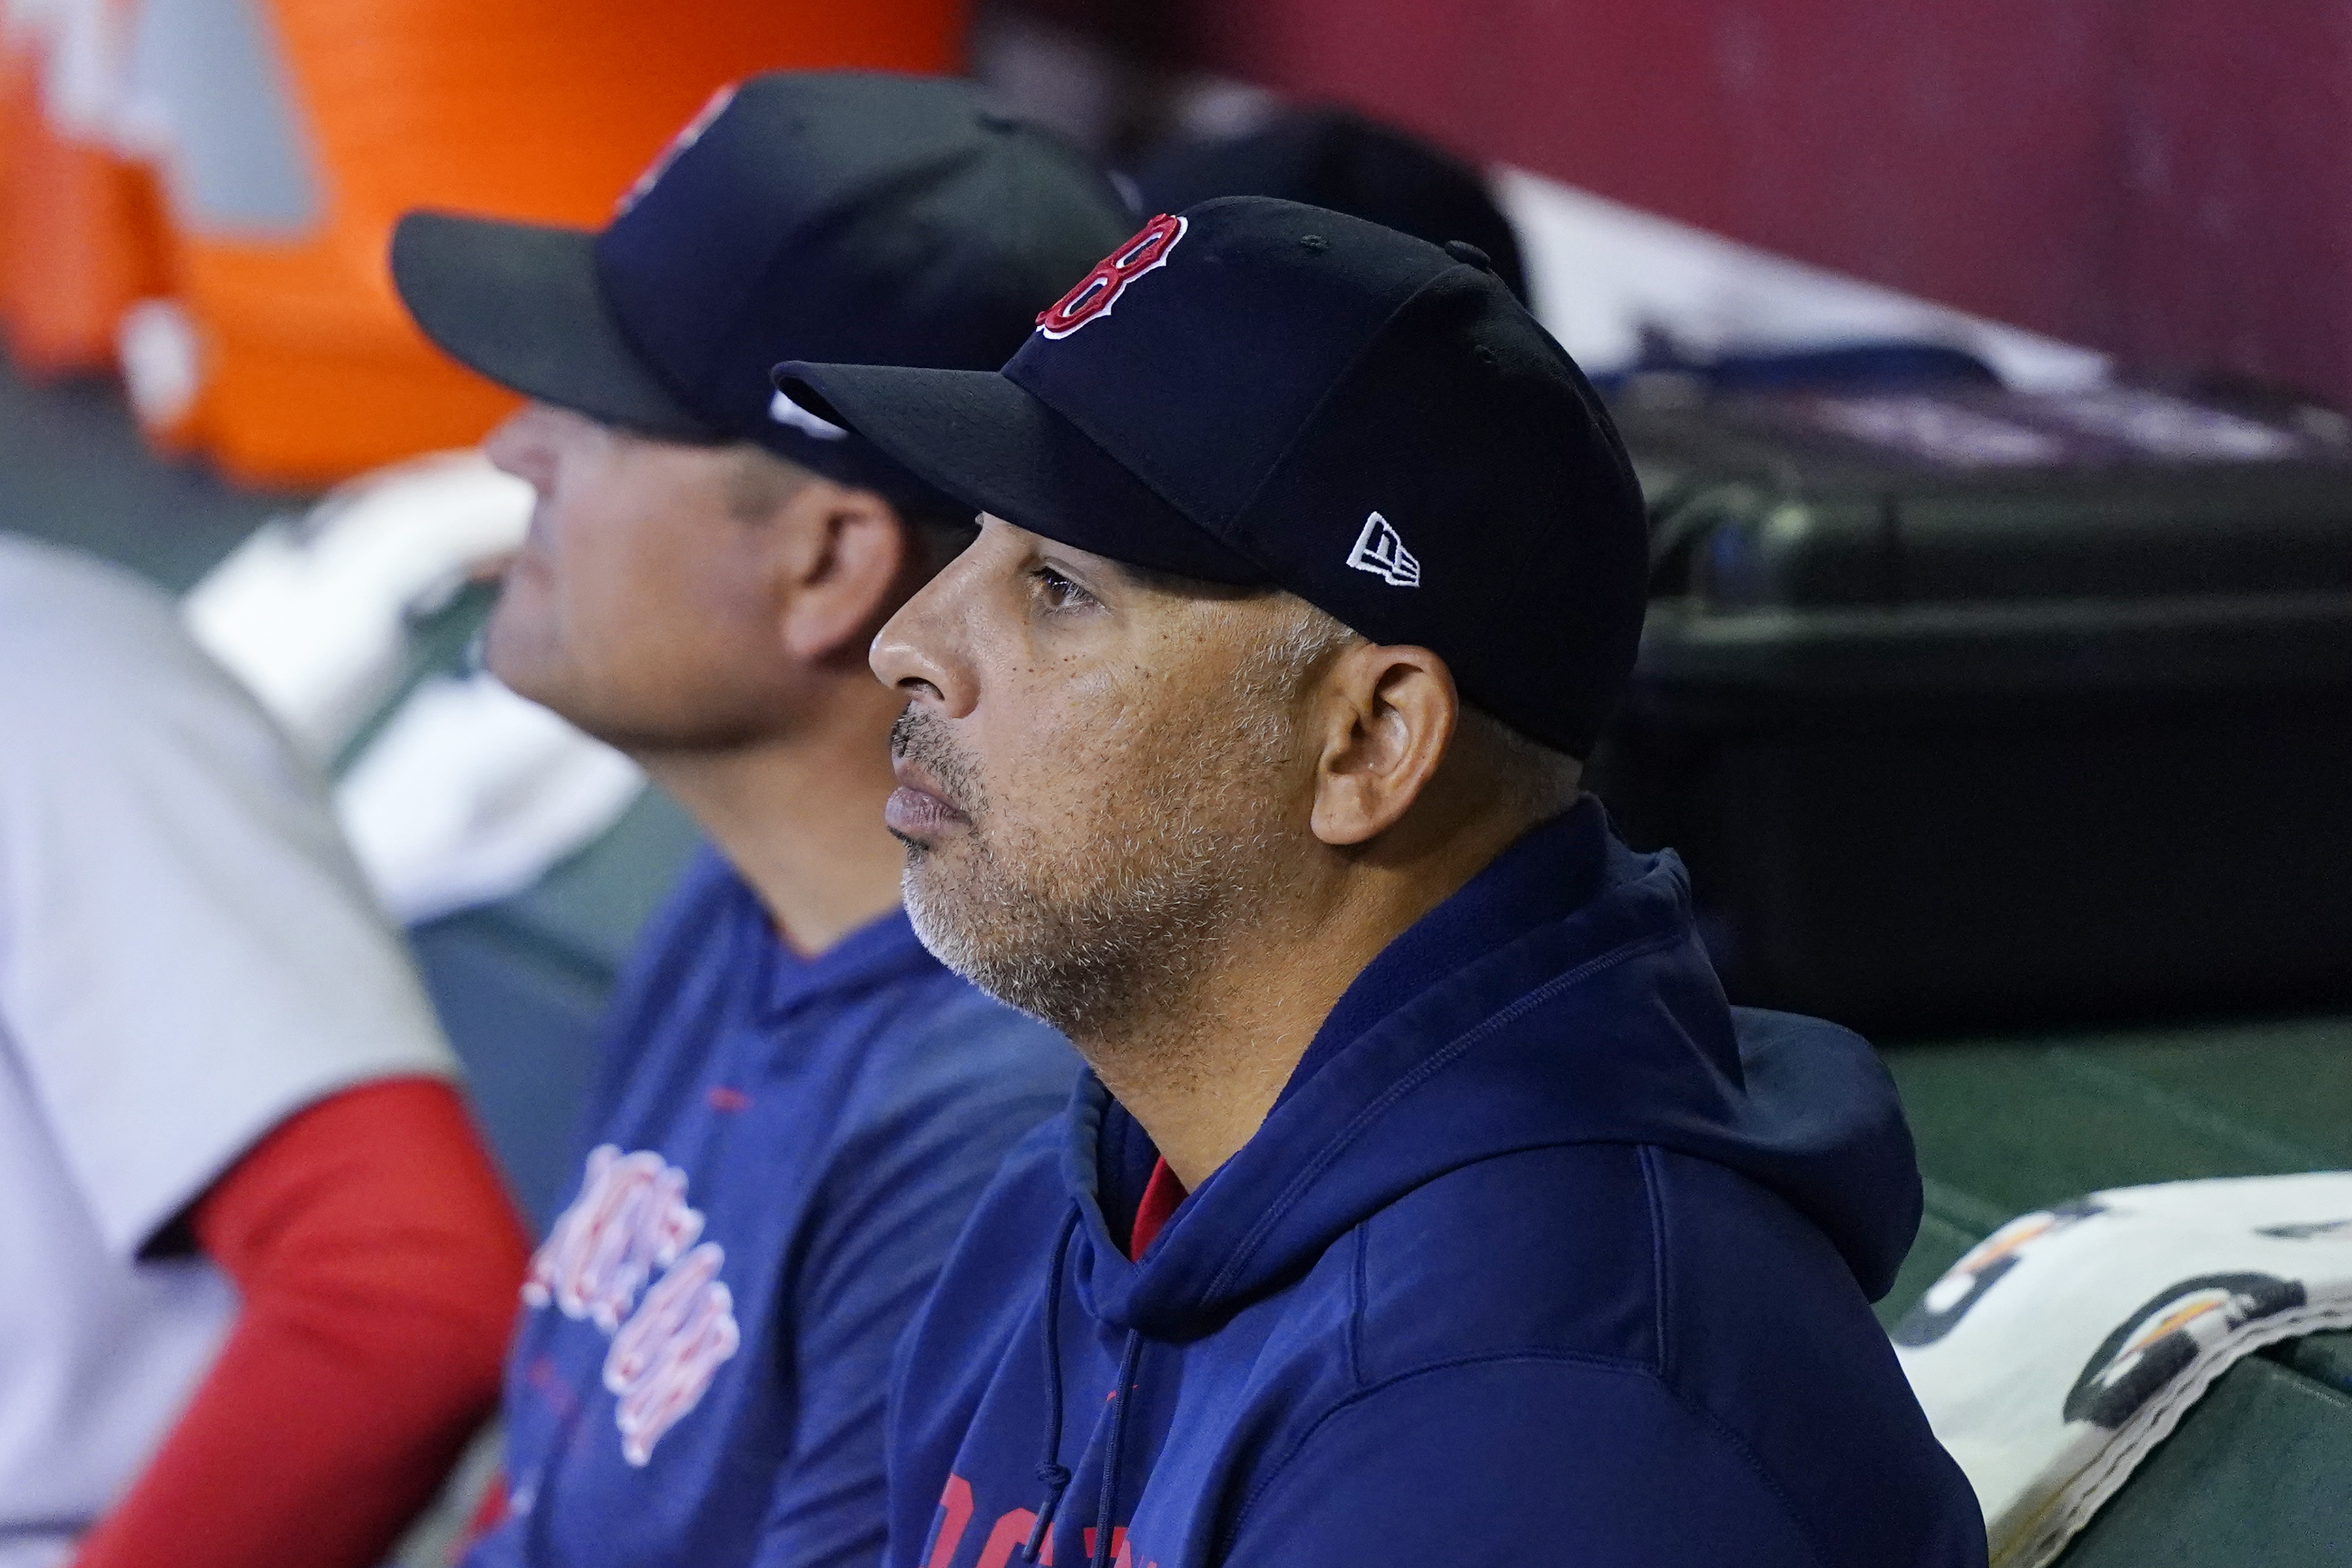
x: 377, y: 1258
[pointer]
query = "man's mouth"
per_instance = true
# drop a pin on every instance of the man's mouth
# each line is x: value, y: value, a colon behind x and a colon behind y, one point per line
x: 526, y: 562
x: 528, y: 557
x: 919, y: 808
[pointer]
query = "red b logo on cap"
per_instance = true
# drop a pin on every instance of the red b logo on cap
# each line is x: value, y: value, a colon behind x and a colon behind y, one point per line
x: 1100, y: 289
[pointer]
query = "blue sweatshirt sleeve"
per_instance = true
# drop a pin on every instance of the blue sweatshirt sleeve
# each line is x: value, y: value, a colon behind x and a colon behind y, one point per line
x: 956, y: 1099
x: 1507, y: 1461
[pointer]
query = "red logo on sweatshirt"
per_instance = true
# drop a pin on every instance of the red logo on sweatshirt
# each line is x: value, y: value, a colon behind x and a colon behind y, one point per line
x: 952, y: 1519
x: 630, y: 1220
x: 1099, y: 290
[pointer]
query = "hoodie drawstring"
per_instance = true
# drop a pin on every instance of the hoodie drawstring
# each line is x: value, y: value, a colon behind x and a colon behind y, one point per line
x: 1051, y: 1471
x: 1122, y: 1398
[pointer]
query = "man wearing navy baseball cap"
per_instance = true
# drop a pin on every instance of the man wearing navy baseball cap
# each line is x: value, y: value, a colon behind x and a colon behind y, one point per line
x: 1426, y: 1203
x: 798, y: 1104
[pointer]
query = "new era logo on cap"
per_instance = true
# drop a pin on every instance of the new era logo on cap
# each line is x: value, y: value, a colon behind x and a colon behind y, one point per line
x: 1380, y: 550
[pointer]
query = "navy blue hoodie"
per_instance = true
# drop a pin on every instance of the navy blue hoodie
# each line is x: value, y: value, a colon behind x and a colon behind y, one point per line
x: 1545, y: 1254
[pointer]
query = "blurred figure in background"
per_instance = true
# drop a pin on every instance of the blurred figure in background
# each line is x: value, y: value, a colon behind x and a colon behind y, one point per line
x: 261, y: 1270
x: 1335, y: 158
x: 798, y: 1104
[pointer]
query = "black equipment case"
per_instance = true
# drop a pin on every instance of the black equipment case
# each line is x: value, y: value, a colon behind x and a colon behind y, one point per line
x: 1971, y: 707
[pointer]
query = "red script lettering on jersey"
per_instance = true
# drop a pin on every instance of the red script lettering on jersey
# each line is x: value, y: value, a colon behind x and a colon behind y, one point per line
x: 630, y: 1222
x: 1099, y: 290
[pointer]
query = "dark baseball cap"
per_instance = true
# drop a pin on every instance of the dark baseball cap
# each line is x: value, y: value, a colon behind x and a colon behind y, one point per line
x: 1255, y: 392
x: 1326, y: 156
x: 846, y: 216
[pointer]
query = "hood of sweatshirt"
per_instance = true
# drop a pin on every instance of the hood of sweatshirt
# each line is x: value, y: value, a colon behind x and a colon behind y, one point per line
x: 1562, y: 997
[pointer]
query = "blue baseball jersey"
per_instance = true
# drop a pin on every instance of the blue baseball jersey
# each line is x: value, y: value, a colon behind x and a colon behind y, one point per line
x: 776, y: 1159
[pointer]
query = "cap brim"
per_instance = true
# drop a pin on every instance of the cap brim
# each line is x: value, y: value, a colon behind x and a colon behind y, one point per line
x: 999, y: 449
x: 521, y: 304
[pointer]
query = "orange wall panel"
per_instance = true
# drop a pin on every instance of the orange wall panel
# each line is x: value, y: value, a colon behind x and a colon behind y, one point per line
x: 525, y: 109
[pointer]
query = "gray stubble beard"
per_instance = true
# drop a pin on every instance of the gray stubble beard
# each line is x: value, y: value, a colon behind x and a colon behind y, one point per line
x: 1112, y: 943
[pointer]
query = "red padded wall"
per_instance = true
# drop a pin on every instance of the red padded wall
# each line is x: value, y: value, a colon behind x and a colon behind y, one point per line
x: 2170, y: 180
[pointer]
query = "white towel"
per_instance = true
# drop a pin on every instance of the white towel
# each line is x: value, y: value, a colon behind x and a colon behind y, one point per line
x: 2065, y: 1346
x: 471, y: 794
x: 311, y: 613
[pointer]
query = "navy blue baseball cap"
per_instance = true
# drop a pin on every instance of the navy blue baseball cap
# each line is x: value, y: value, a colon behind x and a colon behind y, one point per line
x: 1255, y: 392
x: 849, y: 216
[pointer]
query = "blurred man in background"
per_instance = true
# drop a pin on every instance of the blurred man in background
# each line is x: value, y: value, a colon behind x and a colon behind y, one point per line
x: 1331, y: 157
x: 261, y: 1270
x: 799, y: 1103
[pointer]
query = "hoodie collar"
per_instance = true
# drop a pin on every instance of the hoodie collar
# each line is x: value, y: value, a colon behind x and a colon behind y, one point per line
x: 1548, y: 874
x: 1545, y: 876
x: 1561, y: 996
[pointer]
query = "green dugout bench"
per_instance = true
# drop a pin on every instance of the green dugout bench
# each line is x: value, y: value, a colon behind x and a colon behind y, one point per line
x: 2259, y: 1473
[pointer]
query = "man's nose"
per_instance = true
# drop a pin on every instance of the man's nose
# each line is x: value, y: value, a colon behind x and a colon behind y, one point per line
x: 523, y: 446
x: 915, y: 650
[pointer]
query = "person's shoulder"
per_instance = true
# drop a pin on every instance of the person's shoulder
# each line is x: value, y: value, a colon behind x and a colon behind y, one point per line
x: 93, y: 630
x: 1031, y: 1175
x: 1617, y: 1250
x: 1658, y: 1271
x: 689, y: 931
x: 46, y: 581
x: 1765, y: 1320
x: 955, y: 1009
x: 942, y: 1034
x: 707, y: 896
x: 954, y: 1070
x: 689, y: 948
x: 938, y: 1076
x: 1549, y: 1251
x: 990, y: 1275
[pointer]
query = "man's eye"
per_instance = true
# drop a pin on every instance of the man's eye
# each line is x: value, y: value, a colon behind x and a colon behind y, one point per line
x: 1057, y: 590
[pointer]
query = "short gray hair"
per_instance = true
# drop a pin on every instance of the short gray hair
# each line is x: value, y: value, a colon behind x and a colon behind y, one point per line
x: 1535, y: 779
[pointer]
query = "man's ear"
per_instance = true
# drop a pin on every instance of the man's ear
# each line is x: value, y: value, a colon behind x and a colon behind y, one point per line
x: 1384, y: 717
x: 845, y: 555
